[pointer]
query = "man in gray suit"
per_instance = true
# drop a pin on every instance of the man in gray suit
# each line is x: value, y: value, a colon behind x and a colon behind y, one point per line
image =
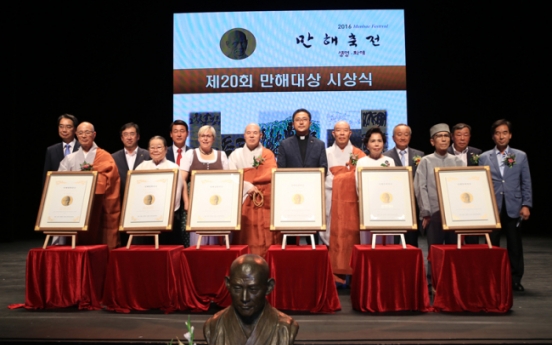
x: 512, y: 186
x: 67, y: 124
x: 403, y: 155
x: 302, y: 150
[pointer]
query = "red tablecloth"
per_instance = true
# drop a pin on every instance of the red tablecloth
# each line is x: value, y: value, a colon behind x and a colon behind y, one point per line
x: 208, y: 267
x: 474, y: 278
x: 304, y: 279
x: 60, y: 277
x: 388, y: 278
x: 142, y: 278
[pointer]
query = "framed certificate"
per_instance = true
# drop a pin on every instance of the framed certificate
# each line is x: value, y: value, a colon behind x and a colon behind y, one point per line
x: 149, y: 200
x: 466, y: 198
x: 298, y: 199
x: 215, y: 200
x: 66, y: 201
x: 386, y: 199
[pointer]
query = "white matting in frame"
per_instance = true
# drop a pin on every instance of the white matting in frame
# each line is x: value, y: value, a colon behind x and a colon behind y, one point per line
x: 298, y: 199
x: 466, y: 198
x: 149, y: 200
x: 215, y: 200
x: 66, y: 201
x: 386, y: 199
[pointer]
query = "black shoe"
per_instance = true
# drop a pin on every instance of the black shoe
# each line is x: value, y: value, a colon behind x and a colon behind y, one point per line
x: 517, y: 287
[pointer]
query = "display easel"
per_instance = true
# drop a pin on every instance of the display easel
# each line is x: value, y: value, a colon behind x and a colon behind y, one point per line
x: 72, y: 234
x: 485, y: 233
x: 303, y: 234
x: 213, y: 233
x: 155, y: 235
x: 376, y: 233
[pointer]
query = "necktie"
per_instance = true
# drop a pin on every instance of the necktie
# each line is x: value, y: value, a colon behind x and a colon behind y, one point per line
x: 67, y: 149
x: 178, y: 157
x: 403, y: 152
x: 501, y: 163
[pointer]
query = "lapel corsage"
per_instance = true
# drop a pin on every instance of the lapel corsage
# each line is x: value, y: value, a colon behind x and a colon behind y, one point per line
x: 385, y: 164
x: 353, y: 159
x: 510, y: 160
x: 475, y: 159
x: 86, y: 166
x: 258, y: 161
x: 416, y: 159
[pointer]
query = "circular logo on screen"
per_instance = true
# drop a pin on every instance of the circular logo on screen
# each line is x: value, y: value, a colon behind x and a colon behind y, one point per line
x: 386, y: 198
x: 466, y: 198
x: 215, y: 199
x: 298, y: 199
x: 66, y: 200
x: 238, y: 44
x: 149, y: 199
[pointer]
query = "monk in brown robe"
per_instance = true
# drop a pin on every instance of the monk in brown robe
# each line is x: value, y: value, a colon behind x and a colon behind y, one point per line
x: 250, y: 319
x: 106, y: 208
x: 257, y: 163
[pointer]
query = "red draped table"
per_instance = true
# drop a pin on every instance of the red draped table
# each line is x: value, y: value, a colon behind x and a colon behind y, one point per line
x: 208, y: 267
x: 304, y: 279
x: 60, y: 277
x: 474, y: 278
x: 388, y: 278
x: 142, y: 278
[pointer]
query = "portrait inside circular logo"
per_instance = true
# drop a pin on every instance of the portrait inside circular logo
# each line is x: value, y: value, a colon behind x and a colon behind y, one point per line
x: 386, y: 198
x: 238, y: 44
x: 297, y: 199
x: 215, y: 199
x: 66, y: 200
x: 466, y: 198
x: 149, y: 199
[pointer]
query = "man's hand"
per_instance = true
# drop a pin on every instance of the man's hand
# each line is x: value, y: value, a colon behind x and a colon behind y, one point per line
x: 524, y: 212
x: 425, y: 222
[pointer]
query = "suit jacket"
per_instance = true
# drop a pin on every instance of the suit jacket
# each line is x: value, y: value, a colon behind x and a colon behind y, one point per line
x: 122, y: 165
x: 54, y: 155
x: 411, y: 153
x: 471, y: 151
x: 170, y: 154
x: 289, y: 155
x: 514, y: 188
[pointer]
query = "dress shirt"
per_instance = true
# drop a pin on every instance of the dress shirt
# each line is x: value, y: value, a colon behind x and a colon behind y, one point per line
x: 131, y: 157
x: 462, y: 155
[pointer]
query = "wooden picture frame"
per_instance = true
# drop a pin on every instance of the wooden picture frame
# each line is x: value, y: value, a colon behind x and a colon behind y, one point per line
x: 466, y: 198
x: 386, y: 199
x: 149, y: 200
x: 215, y: 200
x: 66, y: 201
x: 298, y: 200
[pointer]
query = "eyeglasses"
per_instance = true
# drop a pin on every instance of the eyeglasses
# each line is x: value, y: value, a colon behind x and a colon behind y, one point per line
x: 301, y: 119
x: 154, y: 148
x: 66, y: 126
x: 442, y: 135
x: 208, y: 136
x: 83, y: 133
x: 129, y: 134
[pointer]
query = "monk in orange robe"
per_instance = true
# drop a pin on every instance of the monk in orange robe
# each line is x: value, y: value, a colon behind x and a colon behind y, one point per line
x: 257, y: 163
x: 106, y: 209
x: 342, y: 200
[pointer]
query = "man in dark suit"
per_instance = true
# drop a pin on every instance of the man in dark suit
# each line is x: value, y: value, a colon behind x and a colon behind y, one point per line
x: 512, y: 186
x: 175, y: 152
x: 131, y: 155
x: 302, y: 150
x: 461, y: 134
x: 67, y: 125
x: 128, y: 159
x: 403, y: 155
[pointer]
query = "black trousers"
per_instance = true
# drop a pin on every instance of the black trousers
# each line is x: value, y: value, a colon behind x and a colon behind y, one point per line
x: 513, y: 243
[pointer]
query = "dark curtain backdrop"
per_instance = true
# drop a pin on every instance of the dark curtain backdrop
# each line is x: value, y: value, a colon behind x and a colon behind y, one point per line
x: 111, y: 63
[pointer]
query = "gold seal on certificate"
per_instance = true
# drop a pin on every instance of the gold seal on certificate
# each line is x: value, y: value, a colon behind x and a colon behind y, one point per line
x: 386, y: 198
x: 298, y: 199
x: 466, y: 198
x: 149, y: 199
x: 66, y: 200
x: 215, y: 199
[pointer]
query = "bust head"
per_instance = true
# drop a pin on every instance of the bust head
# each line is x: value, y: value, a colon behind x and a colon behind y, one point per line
x: 248, y: 284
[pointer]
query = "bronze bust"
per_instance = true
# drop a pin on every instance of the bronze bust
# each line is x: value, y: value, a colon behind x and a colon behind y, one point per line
x: 250, y: 319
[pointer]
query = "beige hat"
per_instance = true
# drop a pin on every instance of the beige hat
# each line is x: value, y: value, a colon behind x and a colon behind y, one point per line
x: 440, y: 127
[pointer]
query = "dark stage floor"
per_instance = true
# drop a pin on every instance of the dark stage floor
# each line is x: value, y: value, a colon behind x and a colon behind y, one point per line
x: 529, y: 321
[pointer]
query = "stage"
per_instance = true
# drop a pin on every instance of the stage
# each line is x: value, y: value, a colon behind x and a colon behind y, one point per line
x: 527, y: 322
